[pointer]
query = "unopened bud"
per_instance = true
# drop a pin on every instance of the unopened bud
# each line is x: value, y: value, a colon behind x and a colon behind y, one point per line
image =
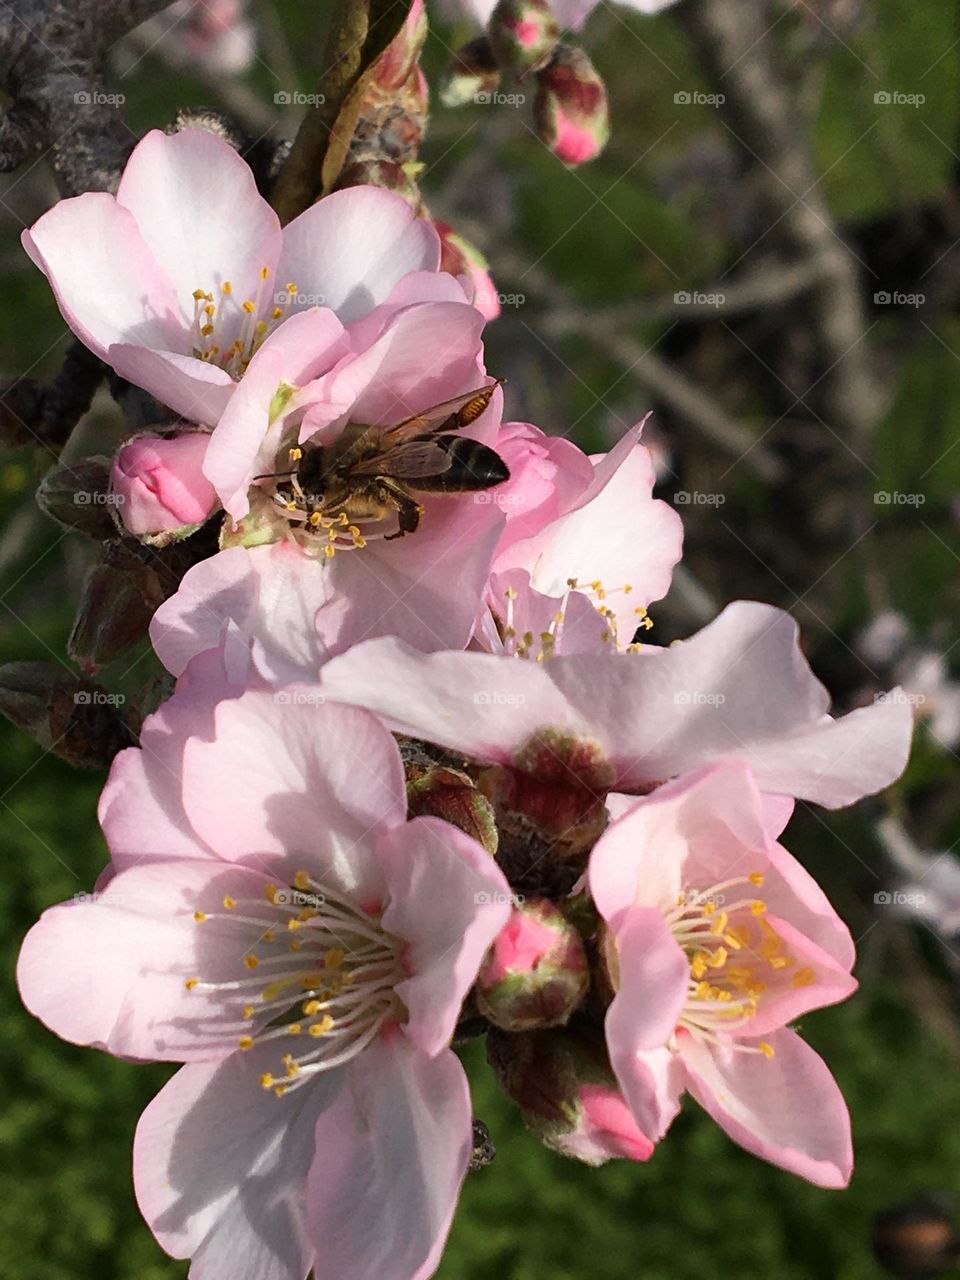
x: 567, y: 1094
x: 441, y: 792
x: 570, y: 109
x: 158, y: 487
x: 464, y: 260
x: 77, y: 496
x: 119, y: 597
x: 399, y: 60
x: 375, y: 171
x: 523, y: 34
x: 66, y: 714
x: 535, y: 973
x: 474, y: 71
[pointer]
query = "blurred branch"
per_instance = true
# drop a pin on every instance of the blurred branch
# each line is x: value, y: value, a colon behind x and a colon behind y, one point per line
x: 739, y: 54
x: 563, y: 317
x: 51, y: 65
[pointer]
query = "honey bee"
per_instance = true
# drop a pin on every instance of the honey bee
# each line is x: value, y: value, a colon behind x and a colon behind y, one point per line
x: 369, y: 474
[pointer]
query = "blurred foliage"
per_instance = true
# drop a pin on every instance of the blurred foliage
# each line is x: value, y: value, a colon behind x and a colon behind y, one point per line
x: 657, y: 213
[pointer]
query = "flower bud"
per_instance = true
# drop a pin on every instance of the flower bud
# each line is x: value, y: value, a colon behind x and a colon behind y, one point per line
x: 473, y: 72
x: 462, y: 259
x: 77, y: 496
x: 523, y: 34
x: 570, y: 108
x: 535, y: 973
x: 399, y: 60
x: 159, y: 489
x: 66, y: 714
x: 567, y: 1094
x: 120, y: 595
x: 441, y: 792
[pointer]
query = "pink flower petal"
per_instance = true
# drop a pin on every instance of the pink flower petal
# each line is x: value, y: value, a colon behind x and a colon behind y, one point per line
x: 195, y: 389
x: 448, y: 901
x: 198, y: 209
x: 392, y: 1152
x: 352, y: 247
x: 285, y: 773
x: 113, y: 291
x: 110, y: 971
x: 787, y: 1109
x: 220, y: 1168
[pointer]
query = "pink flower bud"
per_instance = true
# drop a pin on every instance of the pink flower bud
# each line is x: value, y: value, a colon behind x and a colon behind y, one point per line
x: 523, y: 34
x: 158, y: 485
x: 570, y: 109
x: 464, y: 260
x: 567, y: 1093
x: 535, y: 974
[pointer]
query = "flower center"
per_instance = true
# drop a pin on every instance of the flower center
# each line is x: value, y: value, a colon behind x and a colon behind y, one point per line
x: 228, y: 332
x: 322, y: 974
x: 543, y: 645
x: 735, y: 956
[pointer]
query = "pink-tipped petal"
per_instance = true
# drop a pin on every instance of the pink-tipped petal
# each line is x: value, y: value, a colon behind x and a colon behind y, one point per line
x: 787, y: 1109
x: 113, y: 291
x: 392, y: 1152
x: 448, y: 901
x: 195, y: 389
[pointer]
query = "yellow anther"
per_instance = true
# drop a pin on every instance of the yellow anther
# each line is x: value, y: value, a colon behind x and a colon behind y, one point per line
x: 295, y: 454
x: 756, y: 877
x: 206, y: 330
x: 780, y: 962
x: 271, y: 892
x: 758, y: 908
x: 229, y: 902
x: 292, y: 1068
x: 210, y: 310
x: 269, y: 936
x: 264, y: 273
x: 301, y: 880
x: 291, y: 505
x: 720, y: 924
x: 311, y: 1007
x: 292, y: 288
x: 766, y: 1049
x: 251, y: 961
x: 334, y: 958
x: 192, y: 983
x: 294, y: 1029
x: 276, y: 313
x: 698, y: 964
x: 248, y: 1011
x: 200, y: 916
x: 709, y: 908
x: 294, y: 924
x: 246, y: 1043
x: 322, y: 1027
x: 267, y: 1081
x: 329, y: 550
x: 719, y: 958
x: 199, y: 294
x: 316, y: 518
x: 249, y: 306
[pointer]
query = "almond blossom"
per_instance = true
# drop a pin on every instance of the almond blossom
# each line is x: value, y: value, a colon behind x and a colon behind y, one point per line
x: 740, y: 689
x: 715, y: 939
x: 300, y: 586
x: 273, y: 921
x: 186, y: 270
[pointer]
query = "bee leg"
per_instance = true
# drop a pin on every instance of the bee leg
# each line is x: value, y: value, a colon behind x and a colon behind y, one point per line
x: 408, y: 510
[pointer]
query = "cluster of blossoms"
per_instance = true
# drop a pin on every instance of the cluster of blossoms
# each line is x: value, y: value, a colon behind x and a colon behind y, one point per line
x: 424, y: 772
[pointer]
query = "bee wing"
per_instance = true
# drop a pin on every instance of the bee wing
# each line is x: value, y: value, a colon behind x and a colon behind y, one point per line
x: 407, y: 461
x: 449, y: 415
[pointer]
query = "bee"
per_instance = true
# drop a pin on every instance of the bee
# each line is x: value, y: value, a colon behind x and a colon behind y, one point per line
x: 369, y: 474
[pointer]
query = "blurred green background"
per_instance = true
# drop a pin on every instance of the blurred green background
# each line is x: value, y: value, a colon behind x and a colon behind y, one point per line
x: 668, y: 207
